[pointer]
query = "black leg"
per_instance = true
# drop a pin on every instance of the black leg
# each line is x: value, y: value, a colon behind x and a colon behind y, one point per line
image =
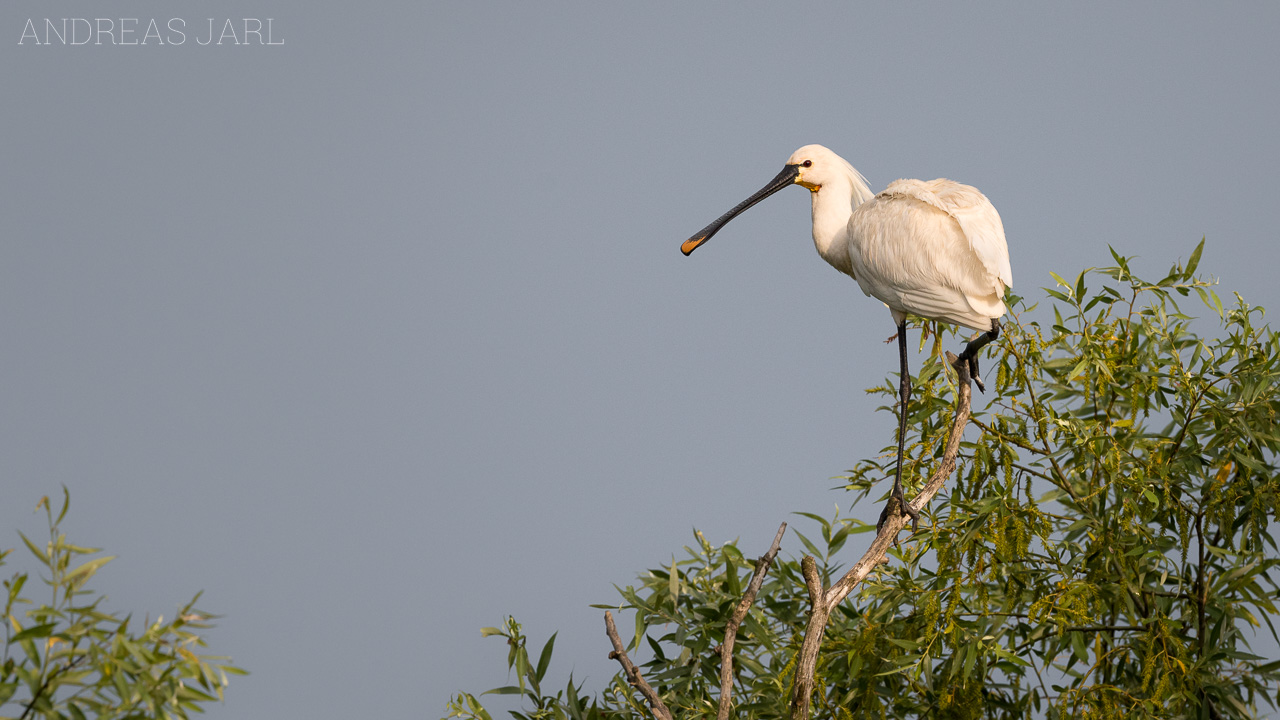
x: 904, y: 396
x: 970, y: 352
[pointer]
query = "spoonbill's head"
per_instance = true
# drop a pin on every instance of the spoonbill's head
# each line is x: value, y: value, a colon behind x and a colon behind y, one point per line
x: 817, y: 166
x: 810, y: 167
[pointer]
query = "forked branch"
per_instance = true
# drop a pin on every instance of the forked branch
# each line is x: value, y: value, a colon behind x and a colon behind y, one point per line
x: 632, y: 672
x: 731, y: 629
x: 822, y: 600
x: 825, y: 600
x: 659, y: 709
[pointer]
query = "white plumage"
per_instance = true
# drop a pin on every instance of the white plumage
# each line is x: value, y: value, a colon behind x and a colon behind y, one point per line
x: 933, y: 249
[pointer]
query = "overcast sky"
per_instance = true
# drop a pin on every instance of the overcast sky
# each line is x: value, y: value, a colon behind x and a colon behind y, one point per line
x: 380, y: 332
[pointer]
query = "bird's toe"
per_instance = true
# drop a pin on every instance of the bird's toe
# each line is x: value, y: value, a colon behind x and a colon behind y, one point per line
x: 973, y: 374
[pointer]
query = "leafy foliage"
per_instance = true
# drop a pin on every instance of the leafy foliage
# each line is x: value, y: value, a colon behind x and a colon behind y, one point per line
x: 68, y: 658
x: 1103, y: 549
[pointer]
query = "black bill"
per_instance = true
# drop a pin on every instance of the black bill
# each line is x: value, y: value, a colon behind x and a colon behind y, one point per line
x: 787, y: 177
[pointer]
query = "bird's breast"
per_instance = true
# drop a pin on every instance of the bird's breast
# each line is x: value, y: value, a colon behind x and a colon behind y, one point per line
x: 914, y: 258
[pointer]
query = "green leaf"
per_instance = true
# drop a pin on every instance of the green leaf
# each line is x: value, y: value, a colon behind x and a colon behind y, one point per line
x: 572, y: 699
x: 1060, y: 281
x: 1121, y: 262
x: 813, y: 549
x: 971, y: 657
x: 545, y: 658
x: 1194, y: 260
x: 732, y: 585
x: 641, y: 627
x: 84, y: 572
x: 34, y: 550
x: 66, y: 505
x: 521, y: 666
x: 475, y: 707
x: 1078, y: 648
x: 35, y: 631
x: 1051, y: 496
x: 15, y: 586
x: 1078, y: 369
x: 814, y: 517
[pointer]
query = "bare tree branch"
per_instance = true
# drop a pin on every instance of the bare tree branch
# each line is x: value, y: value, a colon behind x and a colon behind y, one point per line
x: 818, y: 614
x: 731, y: 629
x: 809, y: 569
x: 824, y: 602
x: 632, y: 672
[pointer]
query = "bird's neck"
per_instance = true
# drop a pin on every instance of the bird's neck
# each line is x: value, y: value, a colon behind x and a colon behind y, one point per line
x: 832, y: 206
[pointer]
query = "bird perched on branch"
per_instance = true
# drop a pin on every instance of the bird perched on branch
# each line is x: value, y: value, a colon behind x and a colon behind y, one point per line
x: 932, y: 249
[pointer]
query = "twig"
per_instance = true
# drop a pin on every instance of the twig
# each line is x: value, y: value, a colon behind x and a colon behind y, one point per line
x: 824, y: 602
x: 45, y: 685
x: 1009, y: 438
x: 632, y: 672
x: 731, y: 629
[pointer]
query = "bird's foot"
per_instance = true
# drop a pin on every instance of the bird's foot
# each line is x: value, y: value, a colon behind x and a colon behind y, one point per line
x: 971, y: 361
x: 898, y: 505
x: 973, y: 374
x: 970, y: 353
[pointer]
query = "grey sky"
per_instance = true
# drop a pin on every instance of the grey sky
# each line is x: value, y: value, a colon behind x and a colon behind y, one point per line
x: 383, y: 333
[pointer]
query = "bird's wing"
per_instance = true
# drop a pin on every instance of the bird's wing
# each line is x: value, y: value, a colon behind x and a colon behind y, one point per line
x: 972, y: 211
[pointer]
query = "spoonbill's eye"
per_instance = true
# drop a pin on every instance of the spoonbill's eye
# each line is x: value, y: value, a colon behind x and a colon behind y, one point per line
x: 807, y: 163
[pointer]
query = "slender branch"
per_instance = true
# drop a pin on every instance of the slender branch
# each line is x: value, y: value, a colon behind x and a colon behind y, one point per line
x: 880, y: 546
x: 1008, y: 438
x: 1039, y: 677
x: 26, y: 712
x: 1040, y: 434
x: 824, y: 602
x: 740, y: 613
x: 632, y: 672
x: 1191, y: 414
x: 1032, y: 471
x: 1041, y: 634
x: 1202, y: 587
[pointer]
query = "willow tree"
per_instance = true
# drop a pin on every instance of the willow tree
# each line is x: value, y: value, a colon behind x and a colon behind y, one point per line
x: 65, y: 656
x: 1100, y: 548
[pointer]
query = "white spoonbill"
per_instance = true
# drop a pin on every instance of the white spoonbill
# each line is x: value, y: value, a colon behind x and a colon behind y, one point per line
x: 932, y: 249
